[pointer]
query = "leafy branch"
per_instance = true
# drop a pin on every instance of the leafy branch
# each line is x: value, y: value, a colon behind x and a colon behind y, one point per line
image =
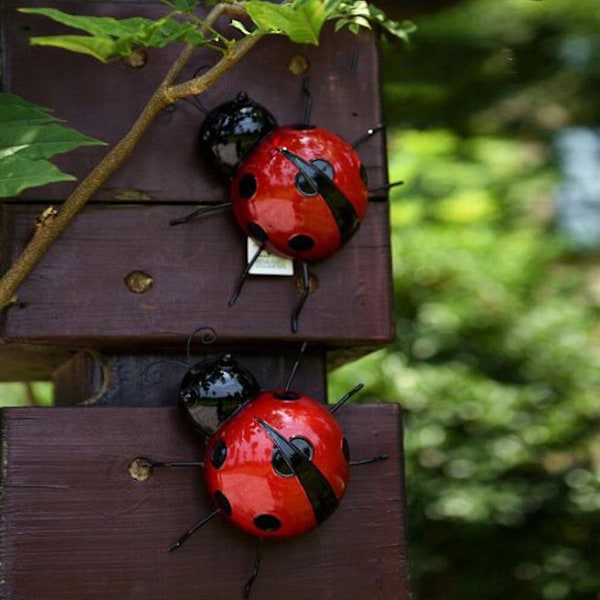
x: 108, y: 39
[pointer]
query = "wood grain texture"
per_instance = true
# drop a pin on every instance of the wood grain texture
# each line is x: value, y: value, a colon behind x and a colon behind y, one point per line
x: 104, y: 100
x: 153, y: 379
x: 75, y: 525
x: 77, y: 294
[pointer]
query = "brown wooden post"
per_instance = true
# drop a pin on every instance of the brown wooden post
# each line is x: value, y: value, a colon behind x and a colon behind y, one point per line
x: 75, y: 524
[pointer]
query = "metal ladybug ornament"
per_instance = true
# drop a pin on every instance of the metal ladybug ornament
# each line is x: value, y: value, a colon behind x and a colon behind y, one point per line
x: 276, y: 466
x: 302, y: 192
x: 299, y: 191
x: 293, y: 452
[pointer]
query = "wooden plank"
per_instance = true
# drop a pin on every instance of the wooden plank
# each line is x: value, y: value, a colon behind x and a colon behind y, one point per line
x: 77, y: 295
x: 75, y: 524
x: 103, y: 100
x: 153, y: 379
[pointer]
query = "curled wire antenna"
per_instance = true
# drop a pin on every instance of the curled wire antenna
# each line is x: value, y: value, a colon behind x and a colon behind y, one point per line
x: 207, y: 336
x: 152, y: 374
x: 195, y: 100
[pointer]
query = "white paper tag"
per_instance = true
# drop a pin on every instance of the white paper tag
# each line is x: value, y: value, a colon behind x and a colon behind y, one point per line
x: 268, y: 263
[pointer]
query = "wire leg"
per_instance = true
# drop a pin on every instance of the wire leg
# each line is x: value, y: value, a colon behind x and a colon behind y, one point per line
x: 385, y: 186
x: 192, y: 530
x: 141, y: 467
x: 173, y: 464
x: 303, y: 297
x: 257, y: 559
x: 199, y: 212
x: 369, y: 461
x: 244, y: 275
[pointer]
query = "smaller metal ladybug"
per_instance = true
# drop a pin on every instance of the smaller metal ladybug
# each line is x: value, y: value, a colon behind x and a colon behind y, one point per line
x: 277, y: 465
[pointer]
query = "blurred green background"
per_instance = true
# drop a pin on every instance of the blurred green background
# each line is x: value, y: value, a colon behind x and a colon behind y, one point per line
x: 497, y: 356
x: 497, y: 361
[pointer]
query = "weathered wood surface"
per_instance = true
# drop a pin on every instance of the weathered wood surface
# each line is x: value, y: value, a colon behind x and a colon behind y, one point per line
x: 104, y: 100
x: 77, y: 295
x: 146, y: 379
x: 75, y: 525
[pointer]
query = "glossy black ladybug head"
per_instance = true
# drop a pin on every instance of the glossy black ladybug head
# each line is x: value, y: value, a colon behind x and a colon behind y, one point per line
x: 231, y: 130
x: 213, y: 389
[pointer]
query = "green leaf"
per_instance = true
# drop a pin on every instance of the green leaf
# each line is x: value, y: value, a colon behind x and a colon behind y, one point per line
x: 307, y: 23
x: 96, y: 26
x: 360, y: 14
x: 301, y: 20
x: 16, y: 110
x: 41, y: 141
x: 109, y: 38
x: 240, y: 26
x: 268, y: 17
x: 102, y: 49
x: 186, y: 6
x: 331, y: 5
x: 18, y: 173
x: 29, y: 136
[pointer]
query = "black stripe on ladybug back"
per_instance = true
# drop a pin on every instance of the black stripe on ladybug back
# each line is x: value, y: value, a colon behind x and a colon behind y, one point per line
x: 320, y: 494
x: 318, y: 179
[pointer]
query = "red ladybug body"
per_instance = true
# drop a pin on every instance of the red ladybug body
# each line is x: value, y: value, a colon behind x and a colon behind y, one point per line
x: 278, y: 466
x: 302, y: 191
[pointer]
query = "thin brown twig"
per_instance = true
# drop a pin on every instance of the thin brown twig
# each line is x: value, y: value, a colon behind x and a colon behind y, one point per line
x: 168, y: 92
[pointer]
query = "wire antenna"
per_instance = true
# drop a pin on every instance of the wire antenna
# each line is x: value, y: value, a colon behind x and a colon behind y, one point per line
x: 195, y: 100
x: 209, y: 336
x: 244, y: 275
x: 346, y: 397
x: 309, y: 100
x: 292, y: 373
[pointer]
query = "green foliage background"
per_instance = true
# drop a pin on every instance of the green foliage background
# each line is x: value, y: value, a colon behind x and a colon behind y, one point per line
x: 497, y: 360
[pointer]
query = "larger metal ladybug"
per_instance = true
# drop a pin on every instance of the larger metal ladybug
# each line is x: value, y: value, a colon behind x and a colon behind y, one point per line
x: 277, y: 466
x: 302, y: 192
x: 298, y: 190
